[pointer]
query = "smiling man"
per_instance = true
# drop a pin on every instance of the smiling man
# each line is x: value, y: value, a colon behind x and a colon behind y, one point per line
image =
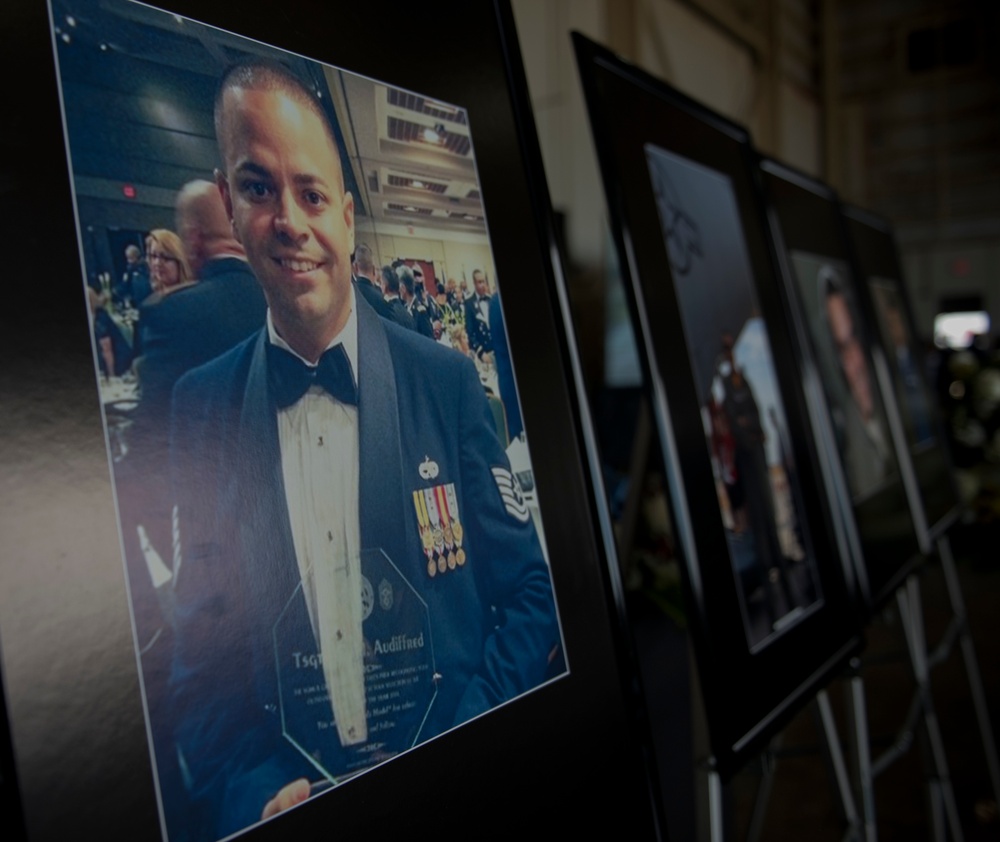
x: 330, y: 438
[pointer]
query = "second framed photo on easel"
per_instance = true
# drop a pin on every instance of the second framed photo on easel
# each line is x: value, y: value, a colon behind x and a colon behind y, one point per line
x: 771, y: 593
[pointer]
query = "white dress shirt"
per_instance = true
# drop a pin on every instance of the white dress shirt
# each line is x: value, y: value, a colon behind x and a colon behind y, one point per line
x: 318, y: 437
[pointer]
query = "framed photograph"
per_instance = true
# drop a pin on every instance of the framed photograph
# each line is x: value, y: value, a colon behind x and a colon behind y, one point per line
x: 877, y: 259
x: 863, y: 411
x: 771, y: 600
x: 336, y: 536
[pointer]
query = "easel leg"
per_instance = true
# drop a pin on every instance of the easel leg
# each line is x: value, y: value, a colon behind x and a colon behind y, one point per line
x: 971, y: 663
x: 861, y: 749
x: 715, y: 806
x: 911, y: 613
x: 763, y: 797
x: 835, y: 762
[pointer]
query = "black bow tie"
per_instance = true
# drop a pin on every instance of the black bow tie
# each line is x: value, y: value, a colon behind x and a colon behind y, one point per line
x: 289, y: 378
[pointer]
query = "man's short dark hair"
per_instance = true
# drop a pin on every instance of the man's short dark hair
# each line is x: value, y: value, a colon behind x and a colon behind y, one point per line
x: 405, y: 276
x: 260, y: 74
x: 389, y: 280
x: 363, y: 257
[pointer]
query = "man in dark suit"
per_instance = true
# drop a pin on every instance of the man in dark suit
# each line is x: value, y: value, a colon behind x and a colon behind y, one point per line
x: 134, y: 286
x: 199, y: 322
x: 181, y: 330
x: 414, y: 306
x: 363, y: 278
x: 390, y: 285
x: 364, y: 267
x: 329, y: 437
x: 477, y: 315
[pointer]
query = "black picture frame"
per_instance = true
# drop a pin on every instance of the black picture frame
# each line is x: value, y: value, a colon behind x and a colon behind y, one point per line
x: 809, y: 229
x: 886, y: 296
x: 561, y: 759
x: 635, y: 116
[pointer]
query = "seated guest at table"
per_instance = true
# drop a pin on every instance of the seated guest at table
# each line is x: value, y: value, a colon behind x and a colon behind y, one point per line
x: 114, y: 355
x: 460, y: 341
x: 168, y: 270
x: 168, y: 265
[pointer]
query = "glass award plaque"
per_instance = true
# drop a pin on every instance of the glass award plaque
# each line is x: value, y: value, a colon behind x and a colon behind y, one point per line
x: 398, y: 674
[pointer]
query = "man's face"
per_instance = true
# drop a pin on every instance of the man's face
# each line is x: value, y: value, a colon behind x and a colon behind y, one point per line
x: 852, y: 358
x: 283, y: 190
x: 480, y: 281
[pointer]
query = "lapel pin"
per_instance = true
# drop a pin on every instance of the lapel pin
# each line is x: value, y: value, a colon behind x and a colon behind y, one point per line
x: 428, y: 468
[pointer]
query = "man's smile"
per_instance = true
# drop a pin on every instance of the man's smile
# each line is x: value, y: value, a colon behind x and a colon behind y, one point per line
x: 297, y: 264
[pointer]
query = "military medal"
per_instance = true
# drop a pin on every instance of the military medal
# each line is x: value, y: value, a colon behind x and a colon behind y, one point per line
x: 437, y: 533
x: 426, y: 538
x: 446, y: 529
x: 451, y: 506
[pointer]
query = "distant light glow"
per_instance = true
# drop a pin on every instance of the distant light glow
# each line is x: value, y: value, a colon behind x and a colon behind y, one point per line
x: 66, y: 38
x: 959, y: 330
x: 71, y: 20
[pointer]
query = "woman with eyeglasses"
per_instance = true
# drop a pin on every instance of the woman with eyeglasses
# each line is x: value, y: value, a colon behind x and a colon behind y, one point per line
x: 168, y: 266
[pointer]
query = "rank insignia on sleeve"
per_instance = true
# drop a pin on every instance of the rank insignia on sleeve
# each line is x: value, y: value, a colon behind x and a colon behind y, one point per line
x: 510, y: 494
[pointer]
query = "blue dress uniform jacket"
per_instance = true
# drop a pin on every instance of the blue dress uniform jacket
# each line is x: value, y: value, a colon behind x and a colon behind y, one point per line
x: 492, y: 619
